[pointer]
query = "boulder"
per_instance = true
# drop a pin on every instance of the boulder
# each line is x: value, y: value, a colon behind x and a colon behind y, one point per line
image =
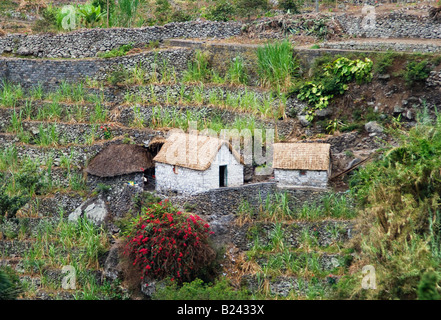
x: 23, y: 51
x: 303, y: 121
x: 112, y: 269
x: 323, y: 113
x: 373, y: 127
x: 93, y: 209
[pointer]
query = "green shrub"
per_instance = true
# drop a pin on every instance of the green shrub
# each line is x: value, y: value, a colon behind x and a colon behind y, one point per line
x: 9, y: 285
x: 292, y: 6
x: 222, y: 11
x: 103, y: 5
x: 247, y: 8
x: 333, y: 81
x: 348, y: 70
x: 9, y: 205
x: 385, y: 61
x: 198, y: 290
x: 162, y: 11
x: 427, y: 288
x: 314, y: 94
x: 416, y: 72
x: 398, y: 197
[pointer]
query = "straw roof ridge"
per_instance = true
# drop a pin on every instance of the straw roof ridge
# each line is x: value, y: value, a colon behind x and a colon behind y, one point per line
x: 302, y: 156
x: 119, y: 159
x: 192, y: 151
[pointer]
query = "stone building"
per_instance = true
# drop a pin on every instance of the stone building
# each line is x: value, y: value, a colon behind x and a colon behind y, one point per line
x: 120, y: 163
x: 302, y: 164
x: 191, y: 163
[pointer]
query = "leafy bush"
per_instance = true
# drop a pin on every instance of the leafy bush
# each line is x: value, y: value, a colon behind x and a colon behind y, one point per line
x: 427, y: 288
x: 9, y: 286
x: 198, y: 290
x: 249, y: 7
x: 9, y: 205
x: 290, y: 5
x: 314, y: 94
x: 89, y: 14
x: 348, y: 70
x: 384, y: 62
x: 165, y: 242
x: 334, y: 80
x: 222, y: 11
x: 416, y: 72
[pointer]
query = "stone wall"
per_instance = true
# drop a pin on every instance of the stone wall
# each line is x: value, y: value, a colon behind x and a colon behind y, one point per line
x: 51, y: 72
x: 397, y: 24
x: 87, y: 43
x: 311, y: 178
x: 424, y: 47
x: 220, y: 206
x: 120, y: 195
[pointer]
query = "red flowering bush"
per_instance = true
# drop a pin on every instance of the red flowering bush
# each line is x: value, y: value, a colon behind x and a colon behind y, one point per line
x: 165, y: 242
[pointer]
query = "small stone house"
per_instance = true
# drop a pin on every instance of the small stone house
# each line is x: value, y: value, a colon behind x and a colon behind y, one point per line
x: 118, y: 164
x: 302, y: 164
x: 191, y: 163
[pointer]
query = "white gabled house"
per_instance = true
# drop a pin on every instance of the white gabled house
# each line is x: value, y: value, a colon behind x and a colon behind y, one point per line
x: 192, y: 163
x: 302, y: 164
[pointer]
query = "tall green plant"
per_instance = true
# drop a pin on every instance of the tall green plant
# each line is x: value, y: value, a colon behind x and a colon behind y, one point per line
x: 198, y: 70
x: 276, y: 65
x: 128, y: 9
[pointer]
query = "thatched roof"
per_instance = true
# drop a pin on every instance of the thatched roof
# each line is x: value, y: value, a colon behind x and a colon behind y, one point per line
x: 302, y: 156
x: 156, y: 141
x: 192, y: 151
x: 119, y: 159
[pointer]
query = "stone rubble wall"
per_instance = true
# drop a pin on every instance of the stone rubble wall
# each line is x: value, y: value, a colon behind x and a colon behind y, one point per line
x: 87, y: 43
x: 51, y: 72
x: 383, y: 46
x: 312, y: 178
x: 219, y: 207
x: 396, y: 24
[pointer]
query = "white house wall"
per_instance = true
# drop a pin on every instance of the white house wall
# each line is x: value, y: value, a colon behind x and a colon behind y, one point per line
x: 294, y: 178
x: 194, y: 181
